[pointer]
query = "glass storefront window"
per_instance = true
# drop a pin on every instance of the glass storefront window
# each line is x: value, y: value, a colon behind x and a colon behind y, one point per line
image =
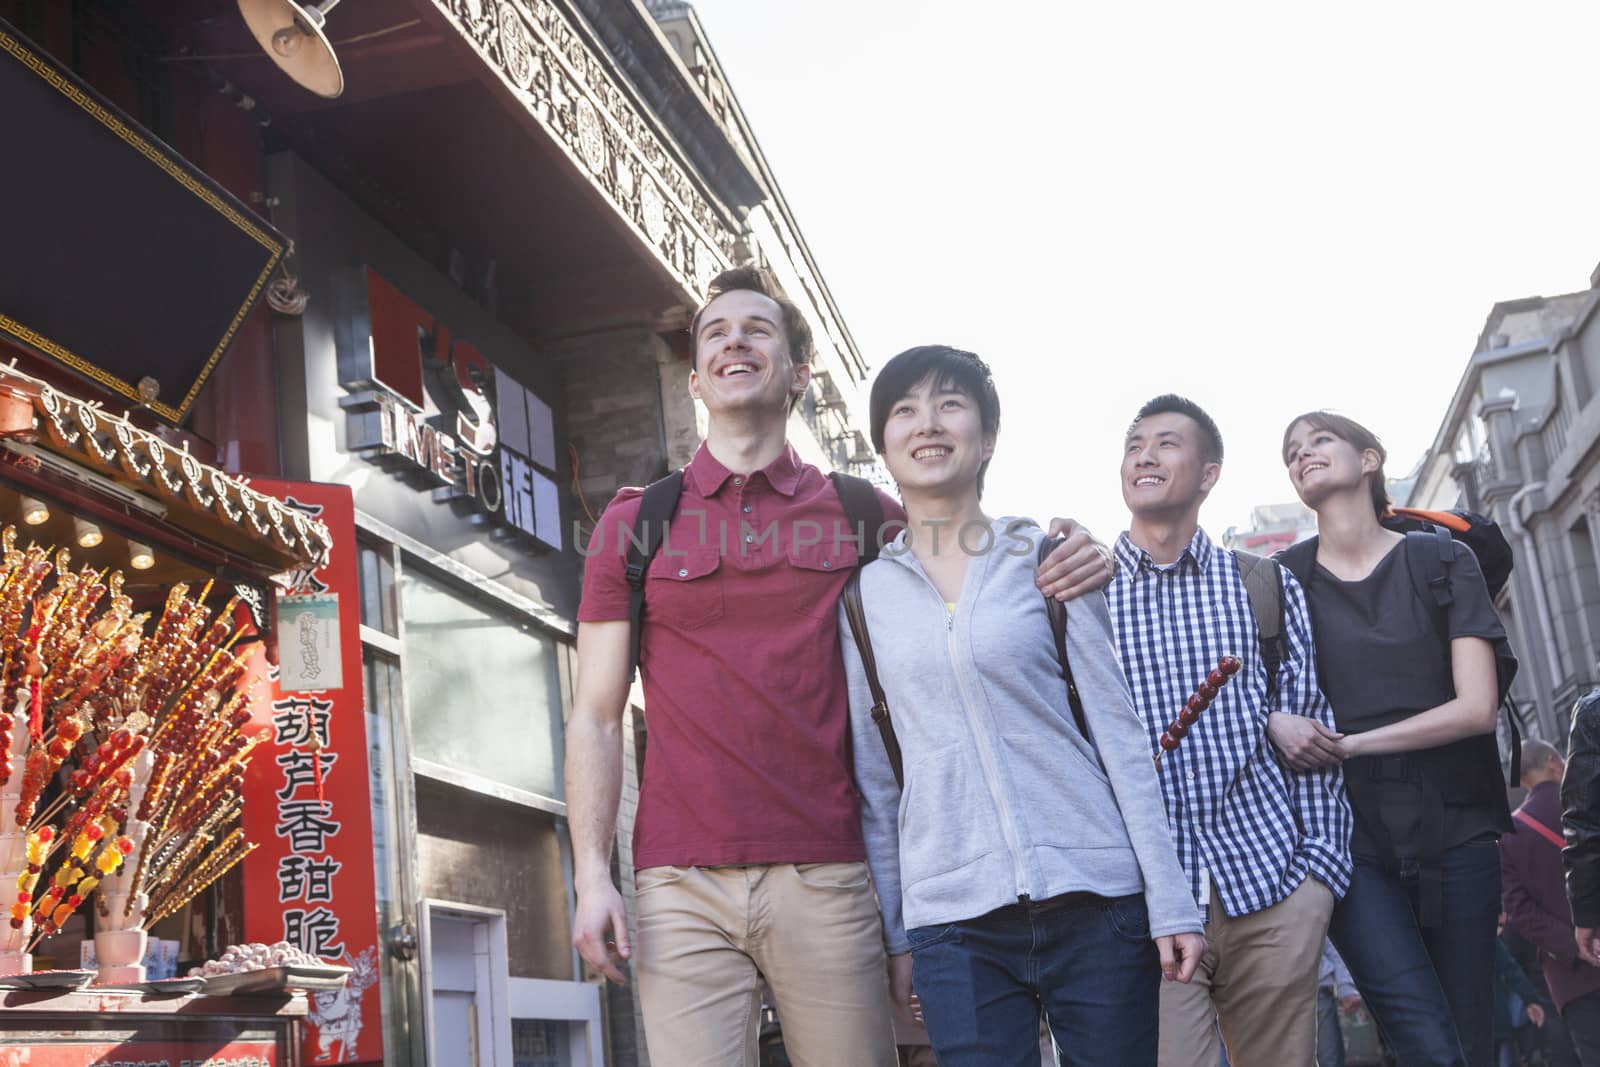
x: 377, y: 589
x: 483, y: 687
x: 401, y: 1000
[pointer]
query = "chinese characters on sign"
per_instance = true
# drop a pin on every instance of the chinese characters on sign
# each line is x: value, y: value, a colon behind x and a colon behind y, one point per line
x: 308, y: 650
x: 311, y: 883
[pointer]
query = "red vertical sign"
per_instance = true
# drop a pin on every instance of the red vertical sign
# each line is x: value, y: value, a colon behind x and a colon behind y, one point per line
x: 311, y: 881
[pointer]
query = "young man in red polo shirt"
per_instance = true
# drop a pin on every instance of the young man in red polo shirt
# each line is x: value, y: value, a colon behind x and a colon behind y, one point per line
x: 747, y: 843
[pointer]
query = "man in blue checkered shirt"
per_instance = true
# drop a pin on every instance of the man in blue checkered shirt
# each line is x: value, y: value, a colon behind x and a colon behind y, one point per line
x: 1267, y: 849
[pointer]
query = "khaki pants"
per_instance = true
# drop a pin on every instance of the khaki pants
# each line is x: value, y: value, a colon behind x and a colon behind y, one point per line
x: 707, y: 937
x: 1258, y: 979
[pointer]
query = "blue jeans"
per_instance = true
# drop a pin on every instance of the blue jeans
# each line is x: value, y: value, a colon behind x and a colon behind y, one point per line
x: 1429, y: 988
x: 1088, y: 964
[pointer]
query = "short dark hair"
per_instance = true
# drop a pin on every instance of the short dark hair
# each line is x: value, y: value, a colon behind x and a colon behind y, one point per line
x: 1358, y: 437
x: 1173, y: 404
x: 756, y: 280
x: 1537, y: 754
x: 949, y: 368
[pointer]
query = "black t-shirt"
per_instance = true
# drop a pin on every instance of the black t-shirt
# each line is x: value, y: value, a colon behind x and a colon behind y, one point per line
x: 1379, y: 656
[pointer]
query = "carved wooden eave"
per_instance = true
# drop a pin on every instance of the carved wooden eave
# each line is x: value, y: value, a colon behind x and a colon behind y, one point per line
x: 536, y: 52
x: 102, y: 451
x: 646, y: 47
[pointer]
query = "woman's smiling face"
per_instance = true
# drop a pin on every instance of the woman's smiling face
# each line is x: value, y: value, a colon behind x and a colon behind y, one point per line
x: 1321, y: 462
x: 933, y: 440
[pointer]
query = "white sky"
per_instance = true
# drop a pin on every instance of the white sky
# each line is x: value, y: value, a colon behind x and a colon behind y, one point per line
x: 1268, y: 207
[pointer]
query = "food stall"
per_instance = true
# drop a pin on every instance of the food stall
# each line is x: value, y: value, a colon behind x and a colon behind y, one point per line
x: 137, y: 587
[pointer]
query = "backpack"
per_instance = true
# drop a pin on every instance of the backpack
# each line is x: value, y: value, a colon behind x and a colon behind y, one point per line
x: 862, y: 509
x: 1263, y: 583
x: 856, y: 613
x: 1477, y: 532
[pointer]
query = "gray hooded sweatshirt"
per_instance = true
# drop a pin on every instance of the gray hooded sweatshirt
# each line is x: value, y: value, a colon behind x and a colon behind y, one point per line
x: 1004, y: 798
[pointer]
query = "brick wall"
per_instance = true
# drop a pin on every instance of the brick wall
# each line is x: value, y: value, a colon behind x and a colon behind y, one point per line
x: 612, y: 383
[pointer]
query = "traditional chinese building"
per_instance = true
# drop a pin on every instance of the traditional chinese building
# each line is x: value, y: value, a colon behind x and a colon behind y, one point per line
x: 473, y: 331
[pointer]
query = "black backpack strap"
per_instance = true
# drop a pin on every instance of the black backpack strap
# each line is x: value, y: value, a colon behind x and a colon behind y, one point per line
x: 1058, y: 628
x: 656, y: 507
x: 856, y: 613
x: 1429, y: 555
x: 1263, y: 585
x: 862, y: 509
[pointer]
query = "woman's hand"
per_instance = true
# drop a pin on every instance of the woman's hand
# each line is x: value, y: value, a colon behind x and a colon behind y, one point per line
x: 900, y: 986
x: 1306, y: 744
x: 1180, y: 955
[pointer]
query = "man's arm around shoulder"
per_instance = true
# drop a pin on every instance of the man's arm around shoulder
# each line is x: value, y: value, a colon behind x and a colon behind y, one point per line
x: 594, y: 789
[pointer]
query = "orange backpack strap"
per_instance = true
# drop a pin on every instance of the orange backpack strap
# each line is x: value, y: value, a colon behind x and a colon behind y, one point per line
x: 1446, y: 519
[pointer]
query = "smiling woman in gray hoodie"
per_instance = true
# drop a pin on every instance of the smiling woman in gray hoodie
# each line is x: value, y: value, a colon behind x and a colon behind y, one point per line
x: 1025, y: 867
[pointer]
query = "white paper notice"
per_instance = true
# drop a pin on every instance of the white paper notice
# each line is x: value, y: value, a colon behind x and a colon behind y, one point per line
x: 308, y: 643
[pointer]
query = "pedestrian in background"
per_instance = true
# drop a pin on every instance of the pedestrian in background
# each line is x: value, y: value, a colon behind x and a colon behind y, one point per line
x: 1517, y: 1005
x: 1336, y: 996
x: 1580, y: 821
x: 1535, y: 897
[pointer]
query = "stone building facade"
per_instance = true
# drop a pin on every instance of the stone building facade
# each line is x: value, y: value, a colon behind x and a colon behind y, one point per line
x: 1518, y: 443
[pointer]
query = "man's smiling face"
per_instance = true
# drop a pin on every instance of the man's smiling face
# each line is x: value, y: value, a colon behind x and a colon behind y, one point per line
x: 742, y: 358
x: 1165, y: 466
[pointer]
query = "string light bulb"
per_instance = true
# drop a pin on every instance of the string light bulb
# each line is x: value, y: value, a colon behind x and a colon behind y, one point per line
x: 140, y: 558
x: 86, y: 533
x: 34, y: 513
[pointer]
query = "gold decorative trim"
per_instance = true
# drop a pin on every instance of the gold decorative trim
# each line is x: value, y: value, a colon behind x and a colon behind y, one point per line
x: 29, y: 59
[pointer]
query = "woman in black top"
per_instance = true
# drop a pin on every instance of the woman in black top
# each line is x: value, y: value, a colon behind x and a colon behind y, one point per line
x: 1415, y: 695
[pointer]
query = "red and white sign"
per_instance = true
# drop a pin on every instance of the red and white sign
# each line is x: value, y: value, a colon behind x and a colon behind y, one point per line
x: 311, y: 881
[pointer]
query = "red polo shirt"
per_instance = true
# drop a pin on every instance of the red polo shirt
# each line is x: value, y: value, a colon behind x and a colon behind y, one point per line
x: 749, y: 759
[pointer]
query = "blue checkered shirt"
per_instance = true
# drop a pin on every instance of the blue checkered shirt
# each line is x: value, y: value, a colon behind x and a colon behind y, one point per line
x: 1241, y: 819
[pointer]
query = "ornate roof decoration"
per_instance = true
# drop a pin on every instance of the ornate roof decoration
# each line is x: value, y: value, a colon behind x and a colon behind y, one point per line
x: 202, y: 500
x: 571, y: 91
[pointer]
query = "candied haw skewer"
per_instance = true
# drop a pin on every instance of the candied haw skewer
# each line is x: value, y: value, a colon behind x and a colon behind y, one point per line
x: 1203, y: 695
x: 8, y: 723
x: 19, y: 598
